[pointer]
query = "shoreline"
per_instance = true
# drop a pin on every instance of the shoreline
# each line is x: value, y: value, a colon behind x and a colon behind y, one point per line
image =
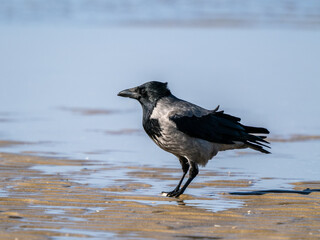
x: 40, y: 205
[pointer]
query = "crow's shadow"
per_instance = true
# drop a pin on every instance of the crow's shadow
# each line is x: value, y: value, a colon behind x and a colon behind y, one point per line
x: 262, y: 192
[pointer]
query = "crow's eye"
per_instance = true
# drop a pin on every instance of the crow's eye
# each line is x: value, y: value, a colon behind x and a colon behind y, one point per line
x: 143, y: 92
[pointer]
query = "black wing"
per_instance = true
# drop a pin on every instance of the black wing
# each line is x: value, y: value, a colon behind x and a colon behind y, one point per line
x: 222, y: 128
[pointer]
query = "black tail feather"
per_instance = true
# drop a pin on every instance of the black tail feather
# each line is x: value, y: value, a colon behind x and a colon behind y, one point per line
x: 250, y: 129
x: 257, y: 147
x: 257, y: 139
x: 256, y: 142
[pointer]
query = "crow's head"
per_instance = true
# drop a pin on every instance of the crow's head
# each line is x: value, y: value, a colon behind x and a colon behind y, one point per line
x: 148, y: 93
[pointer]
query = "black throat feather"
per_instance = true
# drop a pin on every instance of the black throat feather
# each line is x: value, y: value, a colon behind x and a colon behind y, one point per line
x: 151, y: 126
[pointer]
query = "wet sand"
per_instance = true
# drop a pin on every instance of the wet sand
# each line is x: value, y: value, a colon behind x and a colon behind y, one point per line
x: 38, y: 205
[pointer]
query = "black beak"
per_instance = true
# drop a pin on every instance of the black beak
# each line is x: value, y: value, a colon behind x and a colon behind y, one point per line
x: 130, y: 93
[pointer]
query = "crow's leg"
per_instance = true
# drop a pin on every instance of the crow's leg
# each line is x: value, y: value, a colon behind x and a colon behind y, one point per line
x: 194, y: 170
x: 185, y: 167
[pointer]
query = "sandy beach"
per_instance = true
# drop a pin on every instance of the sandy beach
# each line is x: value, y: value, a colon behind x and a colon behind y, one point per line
x: 36, y: 205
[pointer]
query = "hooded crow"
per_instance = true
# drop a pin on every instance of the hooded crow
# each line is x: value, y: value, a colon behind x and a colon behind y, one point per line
x: 192, y: 133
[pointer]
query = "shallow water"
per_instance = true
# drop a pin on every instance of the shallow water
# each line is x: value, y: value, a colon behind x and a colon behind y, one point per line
x: 59, y: 87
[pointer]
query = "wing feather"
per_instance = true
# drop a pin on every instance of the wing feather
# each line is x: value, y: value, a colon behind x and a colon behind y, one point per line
x: 219, y: 127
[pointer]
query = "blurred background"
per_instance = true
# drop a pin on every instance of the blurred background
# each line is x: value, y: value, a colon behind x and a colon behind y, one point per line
x: 62, y: 63
x: 219, y: 13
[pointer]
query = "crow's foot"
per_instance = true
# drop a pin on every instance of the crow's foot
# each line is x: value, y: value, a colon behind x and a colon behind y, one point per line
x: 174, y: 193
